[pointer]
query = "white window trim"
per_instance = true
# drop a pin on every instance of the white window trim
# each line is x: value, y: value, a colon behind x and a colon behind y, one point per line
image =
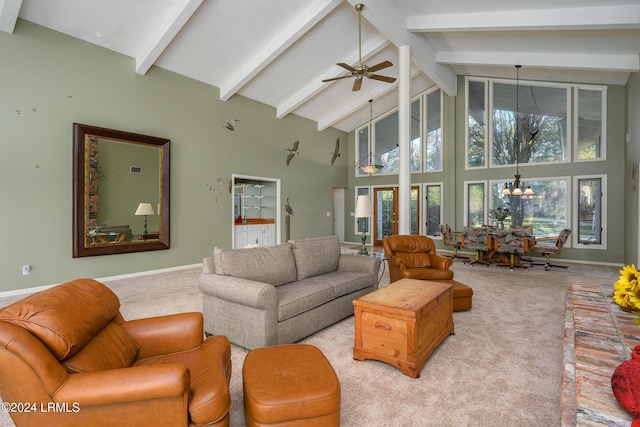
x: 466, y: 125
x: 423, y: 205
x: 603, y: 131
x: 603, y: 220
x: 466, y: 201
x: 423, y: 128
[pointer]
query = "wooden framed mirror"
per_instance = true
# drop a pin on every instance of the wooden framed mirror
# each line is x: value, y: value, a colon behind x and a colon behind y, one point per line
x: 120, y: 191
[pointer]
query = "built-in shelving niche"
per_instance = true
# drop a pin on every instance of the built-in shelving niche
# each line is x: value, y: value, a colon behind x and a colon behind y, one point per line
x: 256, y: 200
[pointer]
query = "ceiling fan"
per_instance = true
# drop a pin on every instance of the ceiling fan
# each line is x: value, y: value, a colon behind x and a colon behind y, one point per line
x: 363, y: 70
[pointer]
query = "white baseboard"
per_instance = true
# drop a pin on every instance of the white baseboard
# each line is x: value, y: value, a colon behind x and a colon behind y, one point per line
x: 26, y: 291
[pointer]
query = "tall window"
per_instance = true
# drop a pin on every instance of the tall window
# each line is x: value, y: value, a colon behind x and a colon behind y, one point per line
x: 415, y: 145
x: 476, y: 123
x: 590, y: 123
x: 385, y: 146
x: 590, y: 211
x: 433, y: 132
x: 362, y: 148
x: 475, y: 202
x: 433, y: 209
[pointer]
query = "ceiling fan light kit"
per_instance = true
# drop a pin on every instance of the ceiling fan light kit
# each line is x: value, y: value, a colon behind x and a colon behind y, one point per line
x: 362, y: 70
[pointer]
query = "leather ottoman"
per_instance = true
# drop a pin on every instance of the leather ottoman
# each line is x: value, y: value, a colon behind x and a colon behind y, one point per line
x: 290, y: 385
x: 462, y: 295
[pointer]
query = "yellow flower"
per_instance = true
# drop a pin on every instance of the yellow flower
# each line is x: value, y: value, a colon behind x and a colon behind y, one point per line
x: 626, y: 291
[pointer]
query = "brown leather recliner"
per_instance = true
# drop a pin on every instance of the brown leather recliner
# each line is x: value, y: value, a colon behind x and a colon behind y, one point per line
x: 68, y: 358
x: 414, y: 257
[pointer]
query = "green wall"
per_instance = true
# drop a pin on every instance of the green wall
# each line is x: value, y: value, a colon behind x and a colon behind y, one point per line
x: 49, y: 81
x: 632, y: 195
x: 454, y: 175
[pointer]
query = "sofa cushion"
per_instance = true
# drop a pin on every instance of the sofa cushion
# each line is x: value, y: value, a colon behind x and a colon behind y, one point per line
x: 65, y: 318
x: 316, y: 256
x: 298, y: 297
x: 343, y: 282
x: 269, y: 264
x: 112, y: 348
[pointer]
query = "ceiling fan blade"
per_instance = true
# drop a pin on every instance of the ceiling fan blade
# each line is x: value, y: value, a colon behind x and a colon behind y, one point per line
x: 346, y: 67
x: 380, y: 66
x: 357, y: 84
x: 382, y: 78
x: 336, y: 78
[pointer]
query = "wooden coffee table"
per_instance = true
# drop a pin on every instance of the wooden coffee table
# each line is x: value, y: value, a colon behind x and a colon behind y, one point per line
x: 403, y: 323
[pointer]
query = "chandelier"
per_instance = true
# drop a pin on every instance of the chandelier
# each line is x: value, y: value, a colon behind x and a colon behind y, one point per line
x: 516, y: 188
x: 371, y: 167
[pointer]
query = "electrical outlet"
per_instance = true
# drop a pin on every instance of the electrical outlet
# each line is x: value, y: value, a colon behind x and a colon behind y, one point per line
x: 26, y: 269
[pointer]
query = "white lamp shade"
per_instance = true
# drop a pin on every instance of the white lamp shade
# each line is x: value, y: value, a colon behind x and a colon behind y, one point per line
x: 144, y: 209
x: 363, y: 207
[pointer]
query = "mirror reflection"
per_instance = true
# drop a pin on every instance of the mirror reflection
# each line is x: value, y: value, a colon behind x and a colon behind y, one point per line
x: 121, y: 192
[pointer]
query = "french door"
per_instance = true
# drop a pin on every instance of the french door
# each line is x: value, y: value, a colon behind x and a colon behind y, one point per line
x: 385, y: 212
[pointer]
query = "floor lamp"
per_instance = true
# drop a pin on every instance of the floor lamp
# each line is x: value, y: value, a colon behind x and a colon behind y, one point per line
x: 363, y: 210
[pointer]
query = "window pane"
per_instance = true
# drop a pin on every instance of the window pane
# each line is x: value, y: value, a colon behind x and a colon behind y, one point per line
x: 434, y: 133
x: 433, y: 208
x: 415, y: 145
x: 384, y: 212
x: 542, y: 111
x: 476, y: 124
x: 475, y: 203
x: 363, y: 149
x: 546, y: 210
x: 590, y: 211
x: 415, y: 211
x: 589, y: 124
x: 386, y: 143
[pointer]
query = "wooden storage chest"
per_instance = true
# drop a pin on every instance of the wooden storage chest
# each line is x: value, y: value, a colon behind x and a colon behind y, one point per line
x: 403, y: 323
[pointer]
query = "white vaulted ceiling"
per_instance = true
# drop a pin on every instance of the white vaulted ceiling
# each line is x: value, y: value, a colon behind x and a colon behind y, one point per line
x: 277, y: 52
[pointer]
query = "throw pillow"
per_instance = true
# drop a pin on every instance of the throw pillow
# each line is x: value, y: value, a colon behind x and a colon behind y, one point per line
x: 270, y: 264
x: 316, y: 256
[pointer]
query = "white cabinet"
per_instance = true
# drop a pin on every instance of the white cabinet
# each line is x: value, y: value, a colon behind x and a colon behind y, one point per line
x: 261, y: 234
x: 254, y: 234
x: 241, y: 236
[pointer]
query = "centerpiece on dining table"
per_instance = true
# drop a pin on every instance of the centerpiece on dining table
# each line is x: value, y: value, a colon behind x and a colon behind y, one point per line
x: 498, y: 215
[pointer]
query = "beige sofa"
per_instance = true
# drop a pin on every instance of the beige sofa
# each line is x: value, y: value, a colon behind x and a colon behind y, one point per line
x: 280, y: 294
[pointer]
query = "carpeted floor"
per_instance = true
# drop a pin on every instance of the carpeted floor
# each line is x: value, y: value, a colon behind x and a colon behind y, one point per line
x: 502, y: 367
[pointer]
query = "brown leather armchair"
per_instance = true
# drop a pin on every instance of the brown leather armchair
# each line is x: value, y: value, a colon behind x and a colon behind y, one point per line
x: 414, y: 257
x: 68, y: 353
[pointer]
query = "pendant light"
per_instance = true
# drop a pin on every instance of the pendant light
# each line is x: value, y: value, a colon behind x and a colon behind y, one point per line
x: 516, y: 190
x: 371, y: 167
